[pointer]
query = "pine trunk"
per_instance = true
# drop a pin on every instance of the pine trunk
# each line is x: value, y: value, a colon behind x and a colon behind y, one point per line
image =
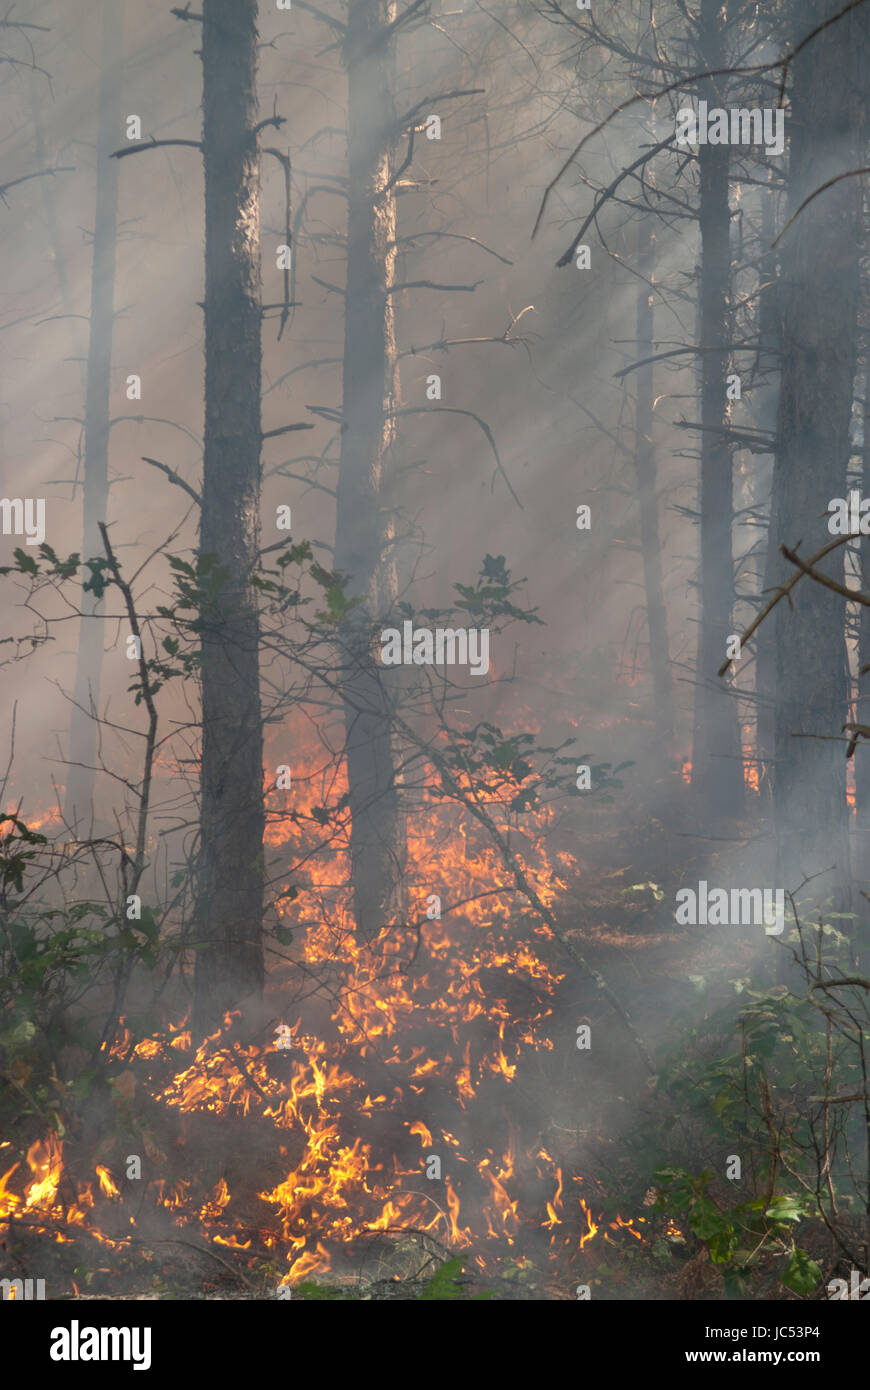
x: 818, y: 324
x: 364, y: 542
x: 79, y: 799
x: 717, y: 766
x: 229, y: 961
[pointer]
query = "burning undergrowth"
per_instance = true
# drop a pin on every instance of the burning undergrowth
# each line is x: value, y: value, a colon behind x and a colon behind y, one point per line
x: 395, y: 1108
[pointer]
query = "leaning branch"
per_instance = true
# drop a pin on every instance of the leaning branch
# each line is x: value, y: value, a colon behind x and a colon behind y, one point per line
x: 784, y: 591
x: 806, y: 566
x: 607, y: 193
x: 849, y: 174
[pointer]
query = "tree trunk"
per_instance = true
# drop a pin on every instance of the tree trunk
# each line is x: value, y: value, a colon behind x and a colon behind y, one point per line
x: 364, y: 540
x: 645, y: 464
x: 229, y: 963
x: 717, y: 766
x: 79, y: 798
x: 862, y: 705
x: 862, y: 709
x: 764, y: 400
x: 820, y: 255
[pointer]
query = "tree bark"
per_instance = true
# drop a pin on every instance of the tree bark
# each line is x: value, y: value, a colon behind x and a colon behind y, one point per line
x: 645, y: 465
x: 79, y: 797
x: 862, y: 708
x: 364, y: 540
x: 818, y: 323
x: 764, y: 399
x: 717, y: 765
x: 229, y: 960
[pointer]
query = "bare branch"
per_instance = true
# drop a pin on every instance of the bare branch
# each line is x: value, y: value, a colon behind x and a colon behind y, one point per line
x: 173, y: 478
x: 430, y: 285
x: 335, y: 24
x: 454, y: 236
x: 849, y: 174
x: 43, y: 173
x: 153, y: 144
x: 285, y: 429
x: 782, y: 593
x: 453, y: 410
x: 808, y: 567
x: 606, y: 194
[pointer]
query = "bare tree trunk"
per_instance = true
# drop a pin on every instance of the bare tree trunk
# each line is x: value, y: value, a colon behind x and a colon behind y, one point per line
x: 765, y: 402
x: 861, y: 842
x: 229, y: 965
x: 820, y: 255
x: 717, y: 766
x: 364, y: 541
x: 645, y: 464
x: 862, y: 753
x: 79, y: 797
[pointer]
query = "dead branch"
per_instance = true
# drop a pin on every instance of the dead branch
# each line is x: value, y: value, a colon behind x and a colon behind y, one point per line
x: 153, y: 144
x: 173, y: 478
x: 41, y: 174
x: 781, y: 593
x: 453, y: 410
x: 849, y: 174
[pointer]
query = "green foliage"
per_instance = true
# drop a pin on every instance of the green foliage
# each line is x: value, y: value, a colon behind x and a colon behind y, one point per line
x: 26, y: 563
x: 13, y: 857
x: 489, y: 598
x: 736, y: 1237
x: 338, y: 604
x: 748, y: 1079
x: 447, y: 1283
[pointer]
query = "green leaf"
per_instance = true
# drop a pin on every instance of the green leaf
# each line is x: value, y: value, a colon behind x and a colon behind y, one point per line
x: 26, y: 563
x: 785, y: 1209
x: 801, y: 1274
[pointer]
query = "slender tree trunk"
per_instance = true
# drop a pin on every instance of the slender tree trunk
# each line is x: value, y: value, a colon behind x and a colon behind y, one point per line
x: 765, y: 401
x: 364, y: 542
x: 862, y: 705
x: 48, y: 194
x: 862, y: 714
x: 79, y: 799
x: 717, y: 766
x: 820, y: 255
x: 645, y: 464
x: 229, y: 965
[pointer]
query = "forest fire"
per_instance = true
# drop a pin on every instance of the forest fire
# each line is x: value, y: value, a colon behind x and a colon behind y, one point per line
x: 436, y: 651
x: 425, y: 1037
